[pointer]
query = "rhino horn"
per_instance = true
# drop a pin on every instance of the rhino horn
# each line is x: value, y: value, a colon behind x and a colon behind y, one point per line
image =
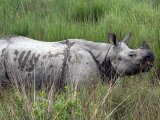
x: 145, y: 45
x: 125, y: 40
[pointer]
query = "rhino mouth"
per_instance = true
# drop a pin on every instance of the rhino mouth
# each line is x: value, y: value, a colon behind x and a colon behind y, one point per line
x: 147, y: 62
x: 138, y: 68
x: 146, y: 66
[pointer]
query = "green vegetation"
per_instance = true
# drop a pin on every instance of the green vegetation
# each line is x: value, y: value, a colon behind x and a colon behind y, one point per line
x: 133, y: 98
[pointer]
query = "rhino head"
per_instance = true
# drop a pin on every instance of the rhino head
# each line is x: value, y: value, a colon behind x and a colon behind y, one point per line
x: 126, y: 61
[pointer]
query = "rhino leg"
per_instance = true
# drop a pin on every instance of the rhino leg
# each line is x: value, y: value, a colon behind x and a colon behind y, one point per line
x: 4, y: 79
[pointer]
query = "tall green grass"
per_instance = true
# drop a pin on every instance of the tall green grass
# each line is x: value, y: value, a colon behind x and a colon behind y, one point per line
x: 136, y: 97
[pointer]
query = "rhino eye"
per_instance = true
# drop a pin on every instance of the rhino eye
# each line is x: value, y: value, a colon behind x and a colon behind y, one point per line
x: 132, y: 54
x: 119, y: 58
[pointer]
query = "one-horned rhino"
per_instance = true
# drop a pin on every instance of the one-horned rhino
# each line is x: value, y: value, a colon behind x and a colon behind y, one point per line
x: 30, y: 63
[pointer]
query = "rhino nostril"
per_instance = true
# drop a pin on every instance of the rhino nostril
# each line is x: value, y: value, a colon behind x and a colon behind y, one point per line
x: 149, y: 58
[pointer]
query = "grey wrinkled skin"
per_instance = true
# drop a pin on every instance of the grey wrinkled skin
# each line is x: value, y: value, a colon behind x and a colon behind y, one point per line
x: 31, y: 63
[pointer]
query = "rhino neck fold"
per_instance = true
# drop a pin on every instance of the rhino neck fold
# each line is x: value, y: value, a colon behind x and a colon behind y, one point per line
x: 102, y: 53
x: 107, y: 72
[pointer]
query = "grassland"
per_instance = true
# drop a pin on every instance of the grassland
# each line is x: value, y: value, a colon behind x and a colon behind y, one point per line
x: 133, y: 98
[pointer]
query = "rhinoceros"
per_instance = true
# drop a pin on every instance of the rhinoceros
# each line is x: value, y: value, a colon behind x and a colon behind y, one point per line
x: 44, y: 64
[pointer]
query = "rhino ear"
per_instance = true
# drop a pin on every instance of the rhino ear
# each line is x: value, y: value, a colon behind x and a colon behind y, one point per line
x: 125, y: 40
x: 112, y: 38
x: 145, y: 45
